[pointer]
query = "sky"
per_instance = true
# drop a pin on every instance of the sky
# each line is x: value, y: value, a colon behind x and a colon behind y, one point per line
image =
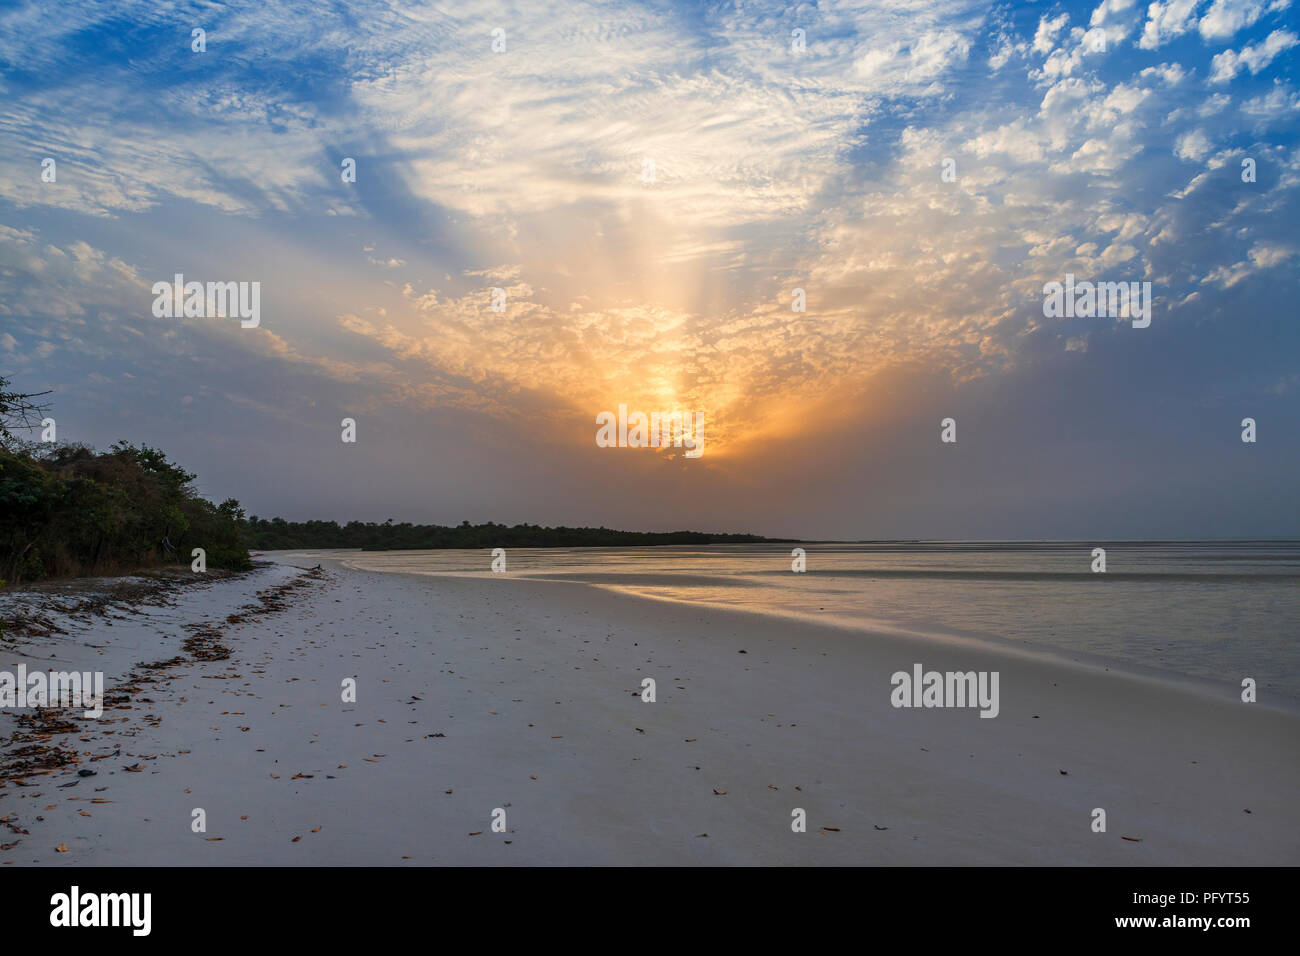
x: 648, y: 184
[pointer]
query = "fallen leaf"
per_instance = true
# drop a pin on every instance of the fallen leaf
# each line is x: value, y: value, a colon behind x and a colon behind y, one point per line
x: 61, y: 848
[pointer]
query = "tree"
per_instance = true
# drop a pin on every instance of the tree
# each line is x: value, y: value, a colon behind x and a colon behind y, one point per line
x: 18, y: 411
x: 66, y: 509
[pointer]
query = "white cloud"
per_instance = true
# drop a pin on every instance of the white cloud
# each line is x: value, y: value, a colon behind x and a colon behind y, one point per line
x: 764, y: 160
x: 897, y: 66
x: 1013, y: 139
x: 1167, y: 20
x: 1226, y: 17
x: 1228, y: 64
x: 1107, y: 9
x: 1048, y: 30
x: 1171, y: 74
x: 1214, y: 104
x: 1261, y: 256
x: 1193, y: 146
x: 1007, y: 48
x: 1274, y: 104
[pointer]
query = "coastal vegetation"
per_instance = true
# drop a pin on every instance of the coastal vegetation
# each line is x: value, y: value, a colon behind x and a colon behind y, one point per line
x: 277, y: 534
x: 67, y: 510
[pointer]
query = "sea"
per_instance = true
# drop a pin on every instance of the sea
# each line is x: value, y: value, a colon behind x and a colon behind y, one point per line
x: 1209, y: 610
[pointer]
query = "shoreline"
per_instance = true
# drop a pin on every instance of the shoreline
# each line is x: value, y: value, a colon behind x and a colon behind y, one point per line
x: 476, y: 695
x: 1191, y: 683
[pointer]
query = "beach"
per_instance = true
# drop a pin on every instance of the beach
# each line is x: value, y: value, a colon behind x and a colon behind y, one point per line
x: 494, y: 698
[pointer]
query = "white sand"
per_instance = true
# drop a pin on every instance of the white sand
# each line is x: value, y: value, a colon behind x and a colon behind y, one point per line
x: 541, y: 680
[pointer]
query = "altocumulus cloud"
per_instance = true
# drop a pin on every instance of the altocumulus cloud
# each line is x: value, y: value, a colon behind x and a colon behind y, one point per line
x: 1104, y: 140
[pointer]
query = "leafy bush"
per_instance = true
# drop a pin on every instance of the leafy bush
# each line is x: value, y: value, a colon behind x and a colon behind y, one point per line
x: 68, y: 510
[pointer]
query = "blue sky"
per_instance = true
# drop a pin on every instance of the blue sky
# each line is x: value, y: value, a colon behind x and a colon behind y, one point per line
x: 1102, y: 140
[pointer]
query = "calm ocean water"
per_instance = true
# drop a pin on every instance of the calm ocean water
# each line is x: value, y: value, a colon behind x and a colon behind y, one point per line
x: 1218, y: 610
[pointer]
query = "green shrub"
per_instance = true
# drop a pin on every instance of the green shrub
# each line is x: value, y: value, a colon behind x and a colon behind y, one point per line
x: 68, y: 510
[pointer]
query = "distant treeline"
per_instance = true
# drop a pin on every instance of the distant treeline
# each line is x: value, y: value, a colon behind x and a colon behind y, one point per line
x: 278, y: 535
x: 67, y: 510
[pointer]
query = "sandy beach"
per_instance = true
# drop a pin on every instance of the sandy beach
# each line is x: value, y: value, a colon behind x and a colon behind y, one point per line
x: 491, y: 693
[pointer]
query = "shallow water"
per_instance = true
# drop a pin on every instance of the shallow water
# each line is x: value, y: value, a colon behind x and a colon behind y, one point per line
x: 1217, y: 610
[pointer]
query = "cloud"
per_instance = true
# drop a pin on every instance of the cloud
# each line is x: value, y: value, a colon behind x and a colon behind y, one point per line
x: 1193, y: 146
x: 1167, y: 20
x: 1171, y: 74
x: 1226, y: 17
x: 1261, y: 256
x: 39, y: 278
x: 1228, y: 64
x: 526, y: 170
x: 899, y: 67
x: 1047, y: 32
